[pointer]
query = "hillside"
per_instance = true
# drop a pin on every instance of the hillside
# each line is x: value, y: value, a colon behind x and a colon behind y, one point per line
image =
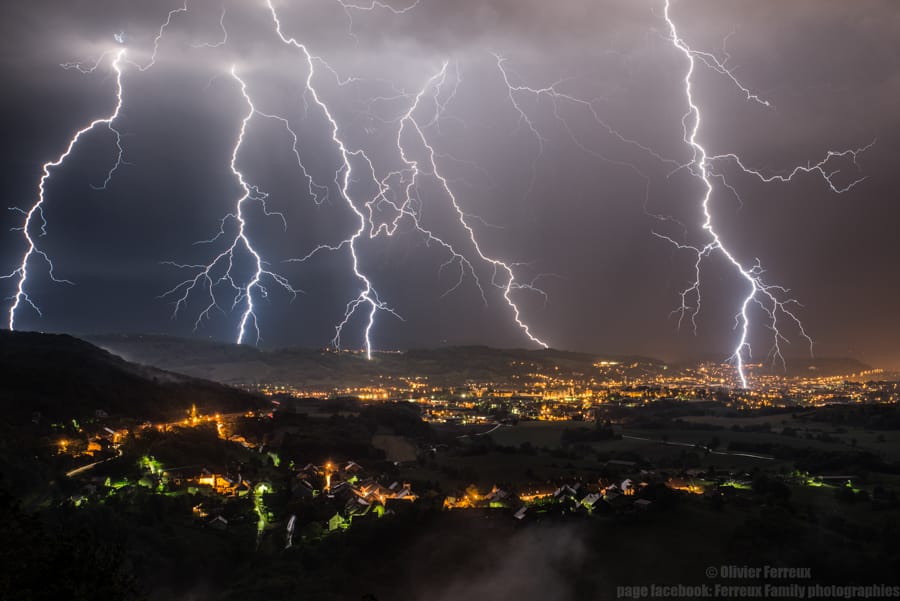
x: 233, y: 364
x: 453, y: 366
x: 62, y: 378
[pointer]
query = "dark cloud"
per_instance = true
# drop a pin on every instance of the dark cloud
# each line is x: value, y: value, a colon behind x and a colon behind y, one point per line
x: 829, y: 67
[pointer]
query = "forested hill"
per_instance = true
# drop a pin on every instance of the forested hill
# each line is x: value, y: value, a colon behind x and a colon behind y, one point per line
x: 324, y: 369
x: 61, y: 378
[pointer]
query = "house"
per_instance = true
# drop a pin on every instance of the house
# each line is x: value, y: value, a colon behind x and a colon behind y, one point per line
x: 497, y: 497
x: 303, y: 488
x: 591, y: 501
x: 337, y: 521
x: 337, y: 487
x: 616, y: 500
x: 357, y: 506
x: 567, y: 491
x: 309, y: 471
x: 219, y: 523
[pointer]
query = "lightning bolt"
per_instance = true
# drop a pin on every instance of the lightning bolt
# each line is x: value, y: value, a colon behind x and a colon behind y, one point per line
x: 159, y: 36
x: 368, y: 299
x: 34, y: 217
x: 408, y: 206
x: 558, y: 98
x: 507, y: 281
x: 773, y: 300
x: 371, y: 6
x: 220, y: 272
x: 219, y: 43
x: 375, y: 4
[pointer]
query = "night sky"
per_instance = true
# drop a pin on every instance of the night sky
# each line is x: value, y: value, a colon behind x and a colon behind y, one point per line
x: 577, y: 204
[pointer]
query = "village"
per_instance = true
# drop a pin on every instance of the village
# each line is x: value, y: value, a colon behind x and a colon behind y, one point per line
x: 228, y: 478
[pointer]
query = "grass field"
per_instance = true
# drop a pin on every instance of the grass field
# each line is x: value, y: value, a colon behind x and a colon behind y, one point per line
x: 883, y: 443
x: 680, y: 441
x: 776, y: 422
x: 549, y: 435
x: 539, y: 434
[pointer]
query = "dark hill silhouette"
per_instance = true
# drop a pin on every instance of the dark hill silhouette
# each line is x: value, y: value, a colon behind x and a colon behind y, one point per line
x: 323, y: 369
x: 243, y: 365
x: 62, y: 377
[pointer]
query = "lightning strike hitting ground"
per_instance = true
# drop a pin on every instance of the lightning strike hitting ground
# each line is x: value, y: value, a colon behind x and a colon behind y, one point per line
x: 407, y: 181
x: 772, y: 299
x: 36, y: 213
x: 503, y: 275
x: 34, y: 217
x: 221, y: 270
x: 505, y: 271
x: 368, y: 296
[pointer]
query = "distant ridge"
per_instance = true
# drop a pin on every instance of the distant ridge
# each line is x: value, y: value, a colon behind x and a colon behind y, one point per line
x: 796, y: 366
x: 323, y: 369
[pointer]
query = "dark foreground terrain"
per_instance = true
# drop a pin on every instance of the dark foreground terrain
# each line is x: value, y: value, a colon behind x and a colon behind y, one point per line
x: 126, y: 482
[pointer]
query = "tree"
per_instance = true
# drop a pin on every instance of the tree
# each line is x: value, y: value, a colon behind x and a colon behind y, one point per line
x: 38, y: 565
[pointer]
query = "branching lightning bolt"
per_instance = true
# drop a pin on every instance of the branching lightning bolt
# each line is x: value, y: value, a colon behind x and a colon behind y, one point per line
x: 159, y: 36
x: 34, y: 217
x: 558, y: 99
x: 507, y: 282
x: 371, y: 6
x: 556, y: 96
x: 398, y: 191
x: 219, y: 43
x: 368, y: 297
x: 773, y: 300
x: 220, y: 271
x: 375, y: 4
x: 408, y: 206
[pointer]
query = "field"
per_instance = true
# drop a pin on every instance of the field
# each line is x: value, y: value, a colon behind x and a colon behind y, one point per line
x: 396, y: 448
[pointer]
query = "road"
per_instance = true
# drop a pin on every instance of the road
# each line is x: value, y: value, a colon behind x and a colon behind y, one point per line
x: 84, y: 468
